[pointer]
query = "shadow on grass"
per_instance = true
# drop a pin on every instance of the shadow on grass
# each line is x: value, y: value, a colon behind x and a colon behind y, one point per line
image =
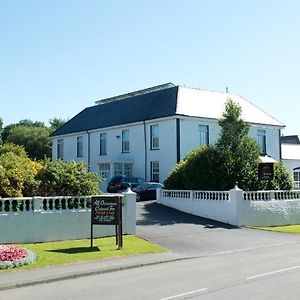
x: 77, y: 250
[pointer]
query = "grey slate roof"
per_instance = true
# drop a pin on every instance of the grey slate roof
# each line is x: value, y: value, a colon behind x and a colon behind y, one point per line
x: 140, y: 107
x: 158, y: 102
x: 290, y: 139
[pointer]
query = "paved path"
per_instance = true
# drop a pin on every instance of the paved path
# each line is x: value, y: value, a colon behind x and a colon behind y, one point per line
x: 193, y: 236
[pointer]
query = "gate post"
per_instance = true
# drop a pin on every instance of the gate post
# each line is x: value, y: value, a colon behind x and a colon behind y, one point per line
x: 236, y: 199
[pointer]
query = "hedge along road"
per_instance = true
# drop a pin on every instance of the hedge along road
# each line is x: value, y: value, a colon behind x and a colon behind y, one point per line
x: 190, y: 235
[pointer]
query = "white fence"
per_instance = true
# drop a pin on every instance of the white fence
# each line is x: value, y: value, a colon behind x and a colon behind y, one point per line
x: 236, y: 207
x: 41, y: 219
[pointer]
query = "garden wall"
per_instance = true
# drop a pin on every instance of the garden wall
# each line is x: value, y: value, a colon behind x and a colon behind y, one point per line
x: 41, y: 219
x: 236, y: 207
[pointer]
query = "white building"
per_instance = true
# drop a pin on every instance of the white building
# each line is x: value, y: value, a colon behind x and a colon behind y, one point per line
x: 290, y: 147
x: 145, y: 133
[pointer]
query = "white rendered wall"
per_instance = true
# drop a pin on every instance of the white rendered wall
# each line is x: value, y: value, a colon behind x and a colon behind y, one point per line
x: 291, y: 164
x: 167, y: 153
x: 272, y: 139
x: 189, y: 133
x: 263, y: 208
x: 138, y: 155
x: 40, y: 225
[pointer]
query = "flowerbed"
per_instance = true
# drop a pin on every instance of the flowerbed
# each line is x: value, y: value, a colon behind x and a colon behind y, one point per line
x: 13, y: 257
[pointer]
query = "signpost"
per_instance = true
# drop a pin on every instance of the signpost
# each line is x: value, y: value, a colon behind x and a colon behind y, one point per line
x: 107, y: 210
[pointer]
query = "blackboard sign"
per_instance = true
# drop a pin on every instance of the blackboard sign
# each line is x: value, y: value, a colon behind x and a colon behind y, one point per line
x: 266, y: 171
x: 105, y: 211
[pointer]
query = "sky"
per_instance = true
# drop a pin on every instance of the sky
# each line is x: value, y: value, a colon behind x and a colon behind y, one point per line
x: 58, y: 57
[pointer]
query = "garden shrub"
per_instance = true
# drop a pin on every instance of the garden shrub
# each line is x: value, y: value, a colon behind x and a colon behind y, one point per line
x: 59, y: 178
x: 16, y: 149
x: 17, y: 175
x: 196, y: 171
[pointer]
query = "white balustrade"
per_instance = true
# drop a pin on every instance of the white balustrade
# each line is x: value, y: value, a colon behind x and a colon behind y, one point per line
x: 210, y: 195
x: 237, y: 207
x: 41, y: 219
x: 8, y: 205
x: 258, y: 196
x: 26, y: 204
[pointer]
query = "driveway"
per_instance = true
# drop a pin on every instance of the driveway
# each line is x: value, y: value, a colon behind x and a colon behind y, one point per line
x: 193, y: 236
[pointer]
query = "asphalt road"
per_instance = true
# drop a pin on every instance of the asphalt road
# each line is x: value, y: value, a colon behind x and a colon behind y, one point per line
x: 193, y: 236
x: 223, y: 262
x: 260, y: 274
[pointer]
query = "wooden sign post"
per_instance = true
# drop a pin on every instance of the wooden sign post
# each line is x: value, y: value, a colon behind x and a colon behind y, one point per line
x: 107, y: 210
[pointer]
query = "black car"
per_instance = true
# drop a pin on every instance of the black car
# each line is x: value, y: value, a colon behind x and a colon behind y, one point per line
x: 120, y: 183
x: 146, y: 191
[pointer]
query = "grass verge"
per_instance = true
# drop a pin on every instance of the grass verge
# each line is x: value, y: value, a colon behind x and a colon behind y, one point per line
x: 74, y: 251
x: 286, y: 229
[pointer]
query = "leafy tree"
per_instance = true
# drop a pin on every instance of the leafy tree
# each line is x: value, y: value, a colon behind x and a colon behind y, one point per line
x: 238, y: 153
x: 235, y: 158
x: 56, y: 123
x: 1, y: 129
x: 27, y: 122
x: 34, y: 136
x: 6, y: 130
x: 35, y: 140
x: 67, y: 178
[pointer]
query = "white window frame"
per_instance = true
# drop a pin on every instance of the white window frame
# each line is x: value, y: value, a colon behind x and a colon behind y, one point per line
x: 203, y: 135
x: 154, y: 137
x: 296, y: 176
x: 262, y: 141
x: 104, y: 170
x: 60, y: 149
x: 79, y: 147
x: 123, y: 168
x: 103, y: 144
x: 154, y: 167
x: 125, y: 141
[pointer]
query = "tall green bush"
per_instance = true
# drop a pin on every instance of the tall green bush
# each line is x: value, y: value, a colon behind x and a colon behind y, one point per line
x: 67, y: 178
x: 17, y: 175
x: 234, y: 159
x: 196, y: 171
x: 238, y: 153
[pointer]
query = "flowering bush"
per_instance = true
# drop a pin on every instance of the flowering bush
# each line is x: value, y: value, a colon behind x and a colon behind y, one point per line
x: 12, y: 256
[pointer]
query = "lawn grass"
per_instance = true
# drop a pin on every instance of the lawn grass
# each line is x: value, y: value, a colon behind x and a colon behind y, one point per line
x: 286, y: 229
x: 73, y: 251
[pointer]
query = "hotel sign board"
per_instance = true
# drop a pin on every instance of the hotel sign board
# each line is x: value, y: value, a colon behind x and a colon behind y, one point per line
x: 107, y: 210
x: 266, y: 171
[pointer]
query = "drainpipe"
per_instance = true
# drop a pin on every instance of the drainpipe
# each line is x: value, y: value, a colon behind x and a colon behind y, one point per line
x: 280, y: 154
x: 145, y: 149
x: 89, y: 151
x: 178, y: 140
